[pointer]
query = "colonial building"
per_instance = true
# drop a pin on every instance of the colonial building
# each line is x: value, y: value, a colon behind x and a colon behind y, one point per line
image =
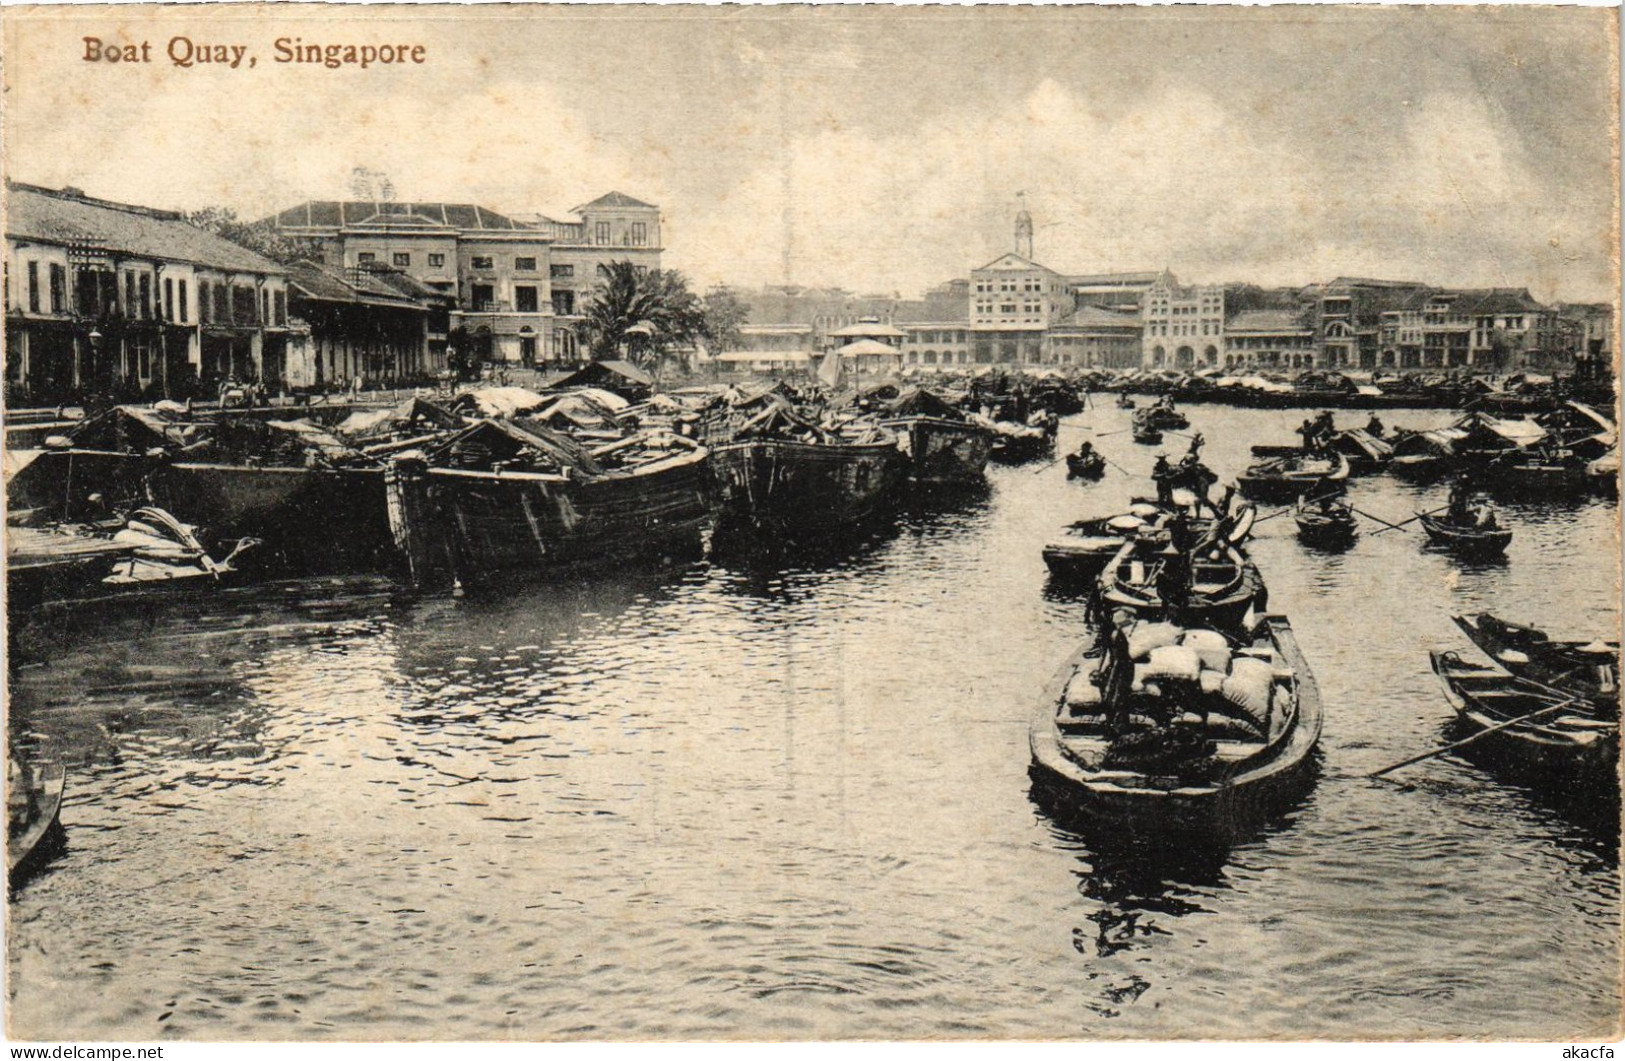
x: 356, y: 325
x: 106, y: 298
x: 937, y: 346
x: 1348, y: 318
x: 1184, y: 326
x: 1119, y: 291
x: 520, y: 284
x: 1269, y: 339
x: 1094, y: 337
x: 1014, y: 301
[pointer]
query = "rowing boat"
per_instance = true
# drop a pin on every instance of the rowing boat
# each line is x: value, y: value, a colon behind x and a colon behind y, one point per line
x: 1215, y: 770
x: 1466, y: 539
x: 1288, y: 478
x: 1225, y: 585
x: 1563, y: 740
x: 1589, y: 669
x: 1329, y: 526
x: 33, y: 814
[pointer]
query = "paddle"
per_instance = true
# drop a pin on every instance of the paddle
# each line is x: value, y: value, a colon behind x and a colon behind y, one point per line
x: 1272, y: 515
x: 1401, y: 523
x: 1486, y: 731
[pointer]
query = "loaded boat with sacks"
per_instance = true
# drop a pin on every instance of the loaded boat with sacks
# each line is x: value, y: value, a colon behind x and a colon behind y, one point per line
x: 1162, y: 728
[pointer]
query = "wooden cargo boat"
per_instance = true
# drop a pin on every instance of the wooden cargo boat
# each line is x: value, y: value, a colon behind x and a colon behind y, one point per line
x: 1463, y: 539
x: 1532, y: 730
x: 1226, y: 759
x: 1087, y: 546
x: 940, y: 450
x: 1583, y: 668
x: 1289, y: 478
x: 509, y: 496
x: 33, y: 814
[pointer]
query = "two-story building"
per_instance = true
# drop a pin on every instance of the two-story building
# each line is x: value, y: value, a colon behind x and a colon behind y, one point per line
x: 110, y: 298
x: 1095, y: 337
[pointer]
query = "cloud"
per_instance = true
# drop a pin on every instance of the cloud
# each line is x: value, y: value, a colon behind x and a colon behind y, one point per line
x: 1441, y: 192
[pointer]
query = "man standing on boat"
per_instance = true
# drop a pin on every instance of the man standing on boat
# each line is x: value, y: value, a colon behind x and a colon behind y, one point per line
x: 1116, y: 674
x: 1162, y: 475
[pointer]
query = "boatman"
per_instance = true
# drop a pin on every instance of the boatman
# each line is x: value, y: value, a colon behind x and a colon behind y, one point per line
x: 1162, y: 475
x: 1174, y: 583
x: 1308, y: 431
x: 1116, y: 674
x: 1086, y: 450
x: 1195, y: 451
x: 1373, y: 426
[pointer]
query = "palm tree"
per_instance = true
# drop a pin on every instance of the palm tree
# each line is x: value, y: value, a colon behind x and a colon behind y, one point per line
x: 642, y: 314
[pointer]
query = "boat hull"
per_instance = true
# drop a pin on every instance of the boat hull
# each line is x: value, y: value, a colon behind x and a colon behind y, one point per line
x: 800, y: 489
x: 943, y: 451
x: 41, y: 835
x: 1142, y: 804
x: 1572, y: 764
x: 311, y: 520
x: 497, y: 523
x: 1466, y: 542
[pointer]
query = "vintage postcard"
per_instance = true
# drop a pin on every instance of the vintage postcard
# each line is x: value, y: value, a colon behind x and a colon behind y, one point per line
x: 670, y: 523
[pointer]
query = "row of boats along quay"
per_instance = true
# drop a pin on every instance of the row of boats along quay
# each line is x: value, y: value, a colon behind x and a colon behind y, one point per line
x: 1228, y: 581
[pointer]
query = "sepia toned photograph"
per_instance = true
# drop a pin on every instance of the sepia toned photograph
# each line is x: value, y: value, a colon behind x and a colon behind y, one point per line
x: 665, y: 523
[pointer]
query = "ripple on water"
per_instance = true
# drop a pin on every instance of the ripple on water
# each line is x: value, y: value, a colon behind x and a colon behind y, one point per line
x: 771, y: 799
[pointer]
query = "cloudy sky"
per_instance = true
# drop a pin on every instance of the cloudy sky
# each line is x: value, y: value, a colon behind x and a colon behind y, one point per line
x: 883, y: 150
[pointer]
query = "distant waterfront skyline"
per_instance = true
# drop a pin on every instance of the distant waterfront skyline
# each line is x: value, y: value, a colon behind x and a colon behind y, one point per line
x: 882, y: 150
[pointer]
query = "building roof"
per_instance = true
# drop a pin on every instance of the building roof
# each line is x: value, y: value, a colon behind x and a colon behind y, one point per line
x: 1494, y: 300
x: 615, y: 201
x: 736, y: 356
x: 868, y: 348
x: 1362, y: 281
x: 1087, y: 316
x: 68, y: 217
x: 863, y: 329
x: 593, y: 370
x: 327, y: 284
x: 321, y: 213
x: 401, y: 283
x: 1267, y: 321
x: 1011, y: 262
x: 1147, y: 277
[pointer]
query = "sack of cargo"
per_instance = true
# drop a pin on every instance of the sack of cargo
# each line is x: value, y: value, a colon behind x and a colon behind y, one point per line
x: 1144, y: 509
x: 1210, y: 646
x: 1148, y: 636
x: 1082, y: 694
x: 1212, y: 681
x: 1174, y: 661
x: 1247, y: 688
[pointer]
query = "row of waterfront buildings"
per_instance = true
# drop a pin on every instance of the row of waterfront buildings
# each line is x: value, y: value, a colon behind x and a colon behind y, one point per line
x: 128, y: 301
x: 106, y: 298
x: 1014, y: 312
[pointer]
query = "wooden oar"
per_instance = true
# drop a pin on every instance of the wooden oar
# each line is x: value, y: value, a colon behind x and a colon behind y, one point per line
x: 1272, y: 515
x: 1401, y: 523
x: 1486, y: 731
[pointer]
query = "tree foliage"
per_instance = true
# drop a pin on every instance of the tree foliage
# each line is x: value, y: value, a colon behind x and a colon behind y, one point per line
x: 262, y: 237
x: 642, y: 315
x: 725, y: 313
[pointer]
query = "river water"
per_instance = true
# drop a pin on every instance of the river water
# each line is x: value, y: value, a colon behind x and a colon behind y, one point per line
x: 789, y: 799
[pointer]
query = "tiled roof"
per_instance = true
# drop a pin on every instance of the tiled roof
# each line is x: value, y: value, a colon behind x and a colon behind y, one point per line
x: 358, y: 214
x: 1266, y: 320
x: 47, y: 216
x: 1087, y: 316
x: 1149, y: 277
x: 614, y: 200
x: 1495, y: 300
x: 329, y: 285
